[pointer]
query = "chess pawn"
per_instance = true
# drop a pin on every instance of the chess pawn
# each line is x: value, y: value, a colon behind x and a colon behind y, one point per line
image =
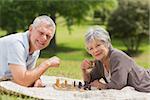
x: 74, y: 83
x: 65, y: 82
x: 57, y: 83
x: 92, y: 65
x: 80, y: 85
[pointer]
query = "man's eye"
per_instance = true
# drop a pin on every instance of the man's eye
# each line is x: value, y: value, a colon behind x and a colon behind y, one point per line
x: 41, y: 33
x: 48, y: 36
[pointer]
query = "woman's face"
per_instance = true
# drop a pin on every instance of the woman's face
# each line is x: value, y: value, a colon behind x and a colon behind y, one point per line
x: 98, y: 50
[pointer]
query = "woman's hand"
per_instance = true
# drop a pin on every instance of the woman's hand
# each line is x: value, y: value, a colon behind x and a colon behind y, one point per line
x: 86, y: 64
x: 97, y: 84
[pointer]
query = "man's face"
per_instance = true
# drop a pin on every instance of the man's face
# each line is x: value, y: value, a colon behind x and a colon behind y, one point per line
x: 40, y: 36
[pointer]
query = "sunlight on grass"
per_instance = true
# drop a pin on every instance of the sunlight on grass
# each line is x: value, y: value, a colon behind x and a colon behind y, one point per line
x: 67, y: 68
x: 2, y: 33
x: 144, y: 58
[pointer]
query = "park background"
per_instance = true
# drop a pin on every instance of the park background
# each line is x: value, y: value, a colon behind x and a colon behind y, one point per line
x: 126, y: 20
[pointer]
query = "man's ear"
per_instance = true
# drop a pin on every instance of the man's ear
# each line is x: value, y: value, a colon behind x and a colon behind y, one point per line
x: 30, y: 27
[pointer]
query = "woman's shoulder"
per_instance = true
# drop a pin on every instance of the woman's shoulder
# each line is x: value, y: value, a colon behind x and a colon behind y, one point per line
x: 118, y: 54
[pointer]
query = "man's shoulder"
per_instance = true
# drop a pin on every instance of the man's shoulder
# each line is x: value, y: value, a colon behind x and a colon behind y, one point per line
x: 17, y: 39
x: 14, y: 37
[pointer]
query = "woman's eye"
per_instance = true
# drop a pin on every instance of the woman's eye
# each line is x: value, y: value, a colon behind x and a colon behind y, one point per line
x: 98, y: 45
x: 90, y: 48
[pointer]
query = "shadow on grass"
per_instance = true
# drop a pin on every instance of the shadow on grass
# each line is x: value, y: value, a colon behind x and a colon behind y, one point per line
x: 133, y: 53
x: 49, y: 52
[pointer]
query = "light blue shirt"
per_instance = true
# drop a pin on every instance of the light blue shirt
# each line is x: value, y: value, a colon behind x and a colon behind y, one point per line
x: 14, y: 49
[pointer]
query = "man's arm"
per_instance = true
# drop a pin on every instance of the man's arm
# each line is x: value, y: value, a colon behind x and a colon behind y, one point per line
x: 28, y: 77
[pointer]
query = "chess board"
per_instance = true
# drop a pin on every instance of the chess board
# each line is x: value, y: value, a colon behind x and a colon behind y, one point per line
x: 68, y: 87
x: 74, y: 86
x: 49, y: 92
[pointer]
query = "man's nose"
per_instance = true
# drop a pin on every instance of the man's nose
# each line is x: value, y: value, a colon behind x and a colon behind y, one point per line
x: 44, y: 38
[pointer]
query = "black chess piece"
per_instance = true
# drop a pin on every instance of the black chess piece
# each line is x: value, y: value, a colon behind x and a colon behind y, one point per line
x: 86, y: 85
x: 80, y: 85
x: 89, y: 87
x: 74, y: 83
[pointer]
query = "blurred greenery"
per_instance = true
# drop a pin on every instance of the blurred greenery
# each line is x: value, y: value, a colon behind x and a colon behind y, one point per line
x: 70, y: 47
x: 129, y: 22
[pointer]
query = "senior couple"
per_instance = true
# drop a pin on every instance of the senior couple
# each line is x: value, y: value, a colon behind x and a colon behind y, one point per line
x: 19, y: 53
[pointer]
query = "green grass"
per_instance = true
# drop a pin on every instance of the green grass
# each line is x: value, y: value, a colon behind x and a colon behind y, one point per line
x: 2, y: 33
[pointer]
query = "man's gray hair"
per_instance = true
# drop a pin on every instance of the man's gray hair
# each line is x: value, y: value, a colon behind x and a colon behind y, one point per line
x: 98, y: 33
x: 44, y: 19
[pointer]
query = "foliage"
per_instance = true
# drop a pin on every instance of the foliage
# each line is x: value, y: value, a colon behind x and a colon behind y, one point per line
x: 72, y: 11
x: 130, y: 23
x: 104, y: 10
x: 17, y: 14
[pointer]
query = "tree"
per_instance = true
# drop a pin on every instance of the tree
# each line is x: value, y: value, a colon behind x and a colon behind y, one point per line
x: 104, y: 10
x: 15, y: 14
x: 73, y: 11
x: 130, y: 23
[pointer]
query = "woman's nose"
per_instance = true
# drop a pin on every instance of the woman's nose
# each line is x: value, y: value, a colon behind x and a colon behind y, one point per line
x: 95, y: 50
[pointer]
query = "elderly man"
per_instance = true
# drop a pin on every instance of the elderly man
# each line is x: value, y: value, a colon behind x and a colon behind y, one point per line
x: 19, y: 52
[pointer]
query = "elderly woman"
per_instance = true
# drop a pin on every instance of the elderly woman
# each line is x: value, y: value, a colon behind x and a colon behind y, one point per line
x: 114, y: 66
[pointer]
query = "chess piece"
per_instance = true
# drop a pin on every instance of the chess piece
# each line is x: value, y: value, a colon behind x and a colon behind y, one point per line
x: 85, y: 85
x: 89, y: 87
x: 65, y: 83
x: 80, y: 85
x: 57, y: 83
x: 92, y: 65
x: 74, y: 83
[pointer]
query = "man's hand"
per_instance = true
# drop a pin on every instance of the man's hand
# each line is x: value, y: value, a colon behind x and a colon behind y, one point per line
x: 52, y: 62
x: 38, y: 83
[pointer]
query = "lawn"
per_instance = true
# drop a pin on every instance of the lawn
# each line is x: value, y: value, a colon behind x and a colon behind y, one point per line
x: 71, y: 51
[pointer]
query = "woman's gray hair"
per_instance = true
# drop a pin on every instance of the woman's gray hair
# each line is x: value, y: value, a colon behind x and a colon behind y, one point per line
x: 97, y: 33
x: 44, y: 19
